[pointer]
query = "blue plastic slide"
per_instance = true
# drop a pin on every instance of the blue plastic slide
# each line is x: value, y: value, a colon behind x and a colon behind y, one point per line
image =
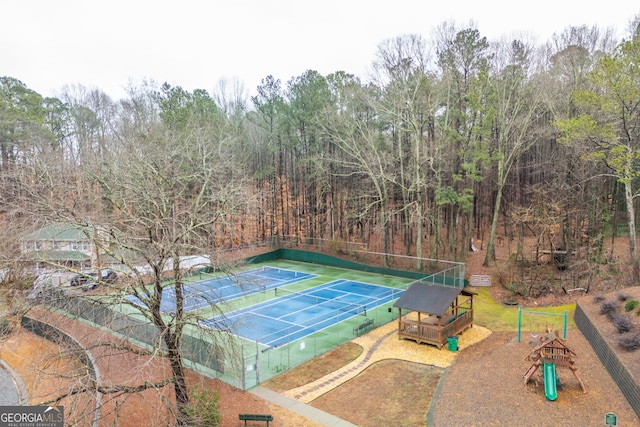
x: 550, y: 379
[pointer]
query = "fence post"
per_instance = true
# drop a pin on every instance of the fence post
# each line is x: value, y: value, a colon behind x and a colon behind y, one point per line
x: 244, y: 380
x: 257, y: 363
x: 519, y: 321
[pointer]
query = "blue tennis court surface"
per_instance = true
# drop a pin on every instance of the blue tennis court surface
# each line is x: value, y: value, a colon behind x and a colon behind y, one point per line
x: 203, y: 293
x: 294, y: 315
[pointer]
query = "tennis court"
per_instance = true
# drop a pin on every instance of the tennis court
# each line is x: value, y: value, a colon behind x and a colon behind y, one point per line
x: 294, y: 315
x: 204, y: 293
x: 283, y: 308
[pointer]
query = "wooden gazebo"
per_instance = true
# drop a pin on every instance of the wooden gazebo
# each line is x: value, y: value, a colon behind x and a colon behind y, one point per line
x: 429, y: 313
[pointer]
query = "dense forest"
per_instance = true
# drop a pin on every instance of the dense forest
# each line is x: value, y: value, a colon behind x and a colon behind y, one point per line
x: 454, y: 141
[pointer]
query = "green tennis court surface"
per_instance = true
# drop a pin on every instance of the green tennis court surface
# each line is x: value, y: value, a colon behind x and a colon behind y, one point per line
x: 204, y: 293
x: 294, y: 315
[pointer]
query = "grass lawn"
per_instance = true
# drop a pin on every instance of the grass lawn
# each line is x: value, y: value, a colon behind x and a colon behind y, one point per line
x: 499, y: 317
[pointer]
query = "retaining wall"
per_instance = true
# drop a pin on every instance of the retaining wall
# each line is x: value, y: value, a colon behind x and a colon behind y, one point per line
x: 618, y: 371
x: 59, y: 337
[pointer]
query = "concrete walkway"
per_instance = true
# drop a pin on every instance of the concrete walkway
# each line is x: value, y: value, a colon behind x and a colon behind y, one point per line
x: 12, y: 390
x: 303, y: 409
x: 330, y: 381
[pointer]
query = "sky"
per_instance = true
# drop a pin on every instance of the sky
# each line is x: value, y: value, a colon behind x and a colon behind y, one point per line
x: 108, y: 45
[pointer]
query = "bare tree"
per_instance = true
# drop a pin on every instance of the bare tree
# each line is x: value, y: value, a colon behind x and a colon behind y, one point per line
x: 157, y: 192
x: 516, y: 104
x: 364, y: 156
x: 408, y: 105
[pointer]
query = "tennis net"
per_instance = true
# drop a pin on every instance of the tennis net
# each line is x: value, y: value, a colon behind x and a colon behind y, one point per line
x: 330, y: 303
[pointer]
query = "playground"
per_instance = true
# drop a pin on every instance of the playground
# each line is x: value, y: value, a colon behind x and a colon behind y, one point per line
x: 495, y: 367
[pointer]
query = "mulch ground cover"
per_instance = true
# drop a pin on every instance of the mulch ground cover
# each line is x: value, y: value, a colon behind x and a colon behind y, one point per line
x: 485, y: 387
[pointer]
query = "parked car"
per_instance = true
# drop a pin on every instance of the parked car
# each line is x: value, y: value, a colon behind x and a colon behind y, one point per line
x: 89, y: 285
x: 107, y: 276
x: 82, y: 278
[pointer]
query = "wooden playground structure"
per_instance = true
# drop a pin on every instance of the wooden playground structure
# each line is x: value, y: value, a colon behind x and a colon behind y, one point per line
x: 552, y: 353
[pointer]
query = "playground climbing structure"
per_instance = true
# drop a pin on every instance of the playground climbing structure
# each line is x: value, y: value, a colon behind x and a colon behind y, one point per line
x: 551, y: 354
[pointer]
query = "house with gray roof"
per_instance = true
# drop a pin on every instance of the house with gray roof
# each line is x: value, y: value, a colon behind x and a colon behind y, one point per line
x: 60, y: 244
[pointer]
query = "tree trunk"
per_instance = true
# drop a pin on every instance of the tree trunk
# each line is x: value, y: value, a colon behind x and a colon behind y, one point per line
x: 385, y: 233
x: 179, y: 381
x: 631, y: 221
x: 419, y: 236
x: 491, y: 246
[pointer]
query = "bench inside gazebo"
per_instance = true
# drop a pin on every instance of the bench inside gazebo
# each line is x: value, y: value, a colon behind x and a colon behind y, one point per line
x: 429, y: 313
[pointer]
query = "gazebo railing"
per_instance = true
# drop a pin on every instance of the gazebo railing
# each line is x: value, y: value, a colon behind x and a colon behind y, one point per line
x: 428, y: 331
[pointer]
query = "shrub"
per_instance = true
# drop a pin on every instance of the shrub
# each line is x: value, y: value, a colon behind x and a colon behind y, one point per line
x: 622, y: 297
x: 609, y: 308
x: 598, y: 299
x: 203, y: 407
x: 631, y: 305
x: 622, y: 323
x: 629, y: 342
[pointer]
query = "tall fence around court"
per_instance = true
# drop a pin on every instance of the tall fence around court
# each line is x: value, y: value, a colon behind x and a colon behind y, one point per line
x: 451, y: 273
x: 246, y: 364
x: 197, y: 345
x: 261, y: 363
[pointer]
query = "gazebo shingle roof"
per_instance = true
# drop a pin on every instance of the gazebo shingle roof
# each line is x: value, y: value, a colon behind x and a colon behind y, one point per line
x: 428, y: 298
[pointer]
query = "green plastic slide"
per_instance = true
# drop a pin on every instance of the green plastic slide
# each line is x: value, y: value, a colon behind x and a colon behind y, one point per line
x: 550, y: 379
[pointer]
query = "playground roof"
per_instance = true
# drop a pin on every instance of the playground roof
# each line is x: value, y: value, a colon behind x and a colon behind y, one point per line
x: 429, y: 298
x: 554, y: 342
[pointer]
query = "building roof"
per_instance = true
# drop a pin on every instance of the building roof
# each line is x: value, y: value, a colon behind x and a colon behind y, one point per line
x: 429, y: 298
x: 51, y: 255
x: 58, y: 232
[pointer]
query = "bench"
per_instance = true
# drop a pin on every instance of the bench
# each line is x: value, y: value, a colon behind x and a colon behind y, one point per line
x: 367, y: 324
x: 255, y: 417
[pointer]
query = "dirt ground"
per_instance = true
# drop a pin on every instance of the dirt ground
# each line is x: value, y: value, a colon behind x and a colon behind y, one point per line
x: 47, y: 370
x: 483, y: 387
x: 390, y: 392
x: 40, y: 362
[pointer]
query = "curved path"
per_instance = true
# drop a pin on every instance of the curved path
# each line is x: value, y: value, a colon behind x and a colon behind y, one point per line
x: 12, y: 389
x: 383, y: 343
x: 336, y: 378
